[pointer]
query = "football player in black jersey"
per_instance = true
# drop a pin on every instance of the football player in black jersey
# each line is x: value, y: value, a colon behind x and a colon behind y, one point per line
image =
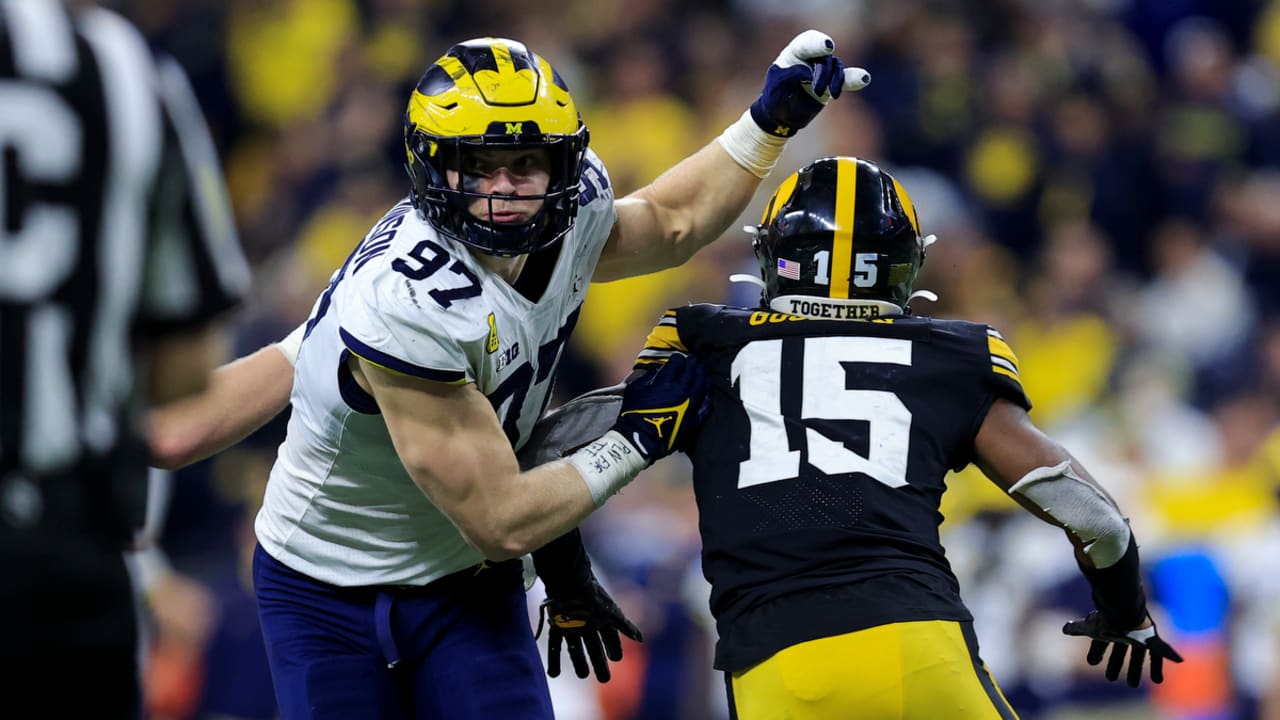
x: 118, y: 262
x: 834, y: 417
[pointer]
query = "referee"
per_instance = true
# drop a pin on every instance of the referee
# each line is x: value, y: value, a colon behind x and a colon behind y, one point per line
x: 117, y: 251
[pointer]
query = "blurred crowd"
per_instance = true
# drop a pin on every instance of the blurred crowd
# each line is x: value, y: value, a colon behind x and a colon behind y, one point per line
x: 1104, y: 180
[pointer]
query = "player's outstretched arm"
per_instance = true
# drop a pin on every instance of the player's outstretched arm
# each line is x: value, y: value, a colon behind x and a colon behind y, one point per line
x: 450, y: 442
x: 179, y: 365
x: 664, y: 223
x: 241, y: 397
x: 1042, y: 476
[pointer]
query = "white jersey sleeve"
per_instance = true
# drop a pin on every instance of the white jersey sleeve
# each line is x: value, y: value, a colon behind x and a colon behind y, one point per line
x: 596, y: 213
x: 383, y: 323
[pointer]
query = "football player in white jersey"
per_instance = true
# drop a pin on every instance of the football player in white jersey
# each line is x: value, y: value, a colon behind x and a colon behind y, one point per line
x: 385, y: 573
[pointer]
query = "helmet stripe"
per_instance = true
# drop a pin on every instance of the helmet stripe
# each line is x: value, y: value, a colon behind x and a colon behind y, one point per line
x: 502, y: 58
x: 842, y: 242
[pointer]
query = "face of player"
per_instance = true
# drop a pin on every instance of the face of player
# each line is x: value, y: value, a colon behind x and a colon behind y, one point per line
x: 508, y: 173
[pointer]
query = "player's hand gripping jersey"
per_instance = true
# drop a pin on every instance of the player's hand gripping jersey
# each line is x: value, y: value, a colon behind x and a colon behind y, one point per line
x: 339, y: 506
x: 816, y: 472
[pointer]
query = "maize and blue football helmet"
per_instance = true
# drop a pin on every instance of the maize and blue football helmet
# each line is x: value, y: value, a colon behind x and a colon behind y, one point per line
x: 485, y: 94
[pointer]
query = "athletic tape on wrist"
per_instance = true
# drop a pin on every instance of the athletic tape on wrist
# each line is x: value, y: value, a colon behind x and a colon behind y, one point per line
x: 754, y: 149
x: 290, y: 344
x: 607, y: 464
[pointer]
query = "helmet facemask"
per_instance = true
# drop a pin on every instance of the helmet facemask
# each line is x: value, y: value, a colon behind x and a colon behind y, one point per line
x: 448, y: 204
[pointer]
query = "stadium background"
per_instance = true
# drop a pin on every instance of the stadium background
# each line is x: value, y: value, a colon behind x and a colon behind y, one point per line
x: 1104, y: 178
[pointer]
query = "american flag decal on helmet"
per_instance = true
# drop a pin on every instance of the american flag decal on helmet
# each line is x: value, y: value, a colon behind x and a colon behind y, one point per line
x: 789, y: 269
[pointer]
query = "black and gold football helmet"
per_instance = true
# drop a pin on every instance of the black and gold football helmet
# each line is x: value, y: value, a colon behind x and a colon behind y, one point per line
x: 841, y: 237
x: 484, y: 94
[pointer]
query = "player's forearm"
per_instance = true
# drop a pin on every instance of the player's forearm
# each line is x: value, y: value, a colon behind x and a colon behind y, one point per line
x: 537, y: 507
x: 686, y: 208
x: 179, y: 365
x: 703, y: 194
x: 502, y: 512
x: 242, y: 396
x: 601, y: 467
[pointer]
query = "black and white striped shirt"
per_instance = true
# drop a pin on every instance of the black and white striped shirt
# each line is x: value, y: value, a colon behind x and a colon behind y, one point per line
x: 114, y: 228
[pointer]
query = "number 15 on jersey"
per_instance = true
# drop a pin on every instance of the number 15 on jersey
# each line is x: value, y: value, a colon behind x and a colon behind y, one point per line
x: 757, y: 372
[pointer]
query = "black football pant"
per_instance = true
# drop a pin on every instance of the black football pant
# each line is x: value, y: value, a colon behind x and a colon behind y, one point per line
x: 68, y: 635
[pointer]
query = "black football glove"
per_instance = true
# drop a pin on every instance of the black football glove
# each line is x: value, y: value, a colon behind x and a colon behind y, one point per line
x: 1143, y: 642
x: 663, y: 407
x: 800, y: 82
x: 589, y: 621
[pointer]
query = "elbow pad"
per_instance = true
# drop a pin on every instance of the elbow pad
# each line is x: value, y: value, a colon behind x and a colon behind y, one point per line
x: 1079, y: 507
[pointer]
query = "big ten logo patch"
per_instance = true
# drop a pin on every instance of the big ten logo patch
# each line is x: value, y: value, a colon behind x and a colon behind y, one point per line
x: 509, y: 355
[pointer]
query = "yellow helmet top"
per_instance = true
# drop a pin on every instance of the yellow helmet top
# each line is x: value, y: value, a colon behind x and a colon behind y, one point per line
x: 492, y: 86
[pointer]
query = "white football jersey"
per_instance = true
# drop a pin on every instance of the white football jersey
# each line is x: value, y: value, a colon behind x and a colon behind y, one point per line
x: 339, y: 506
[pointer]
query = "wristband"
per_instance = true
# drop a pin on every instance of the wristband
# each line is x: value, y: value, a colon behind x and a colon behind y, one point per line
x: 1117, y: 589
x: 292, y: 343
x: 754, y: 149
x: 563, y: 564
x: 607, y: 464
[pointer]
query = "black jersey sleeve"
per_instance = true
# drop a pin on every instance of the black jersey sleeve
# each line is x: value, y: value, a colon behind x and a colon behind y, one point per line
x: 1003, y: 378
x: 977, y: 367
x: 662, y: 341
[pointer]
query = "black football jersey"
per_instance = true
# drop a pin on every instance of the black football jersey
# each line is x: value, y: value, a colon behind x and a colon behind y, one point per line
x: 115, y: 231
x: 820, y: 469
